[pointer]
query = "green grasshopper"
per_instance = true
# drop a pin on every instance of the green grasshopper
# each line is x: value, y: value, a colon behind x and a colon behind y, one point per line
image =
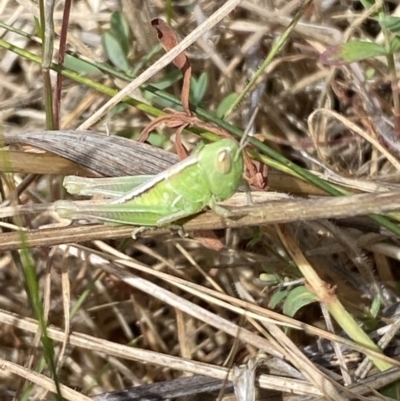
x: 208, y: 176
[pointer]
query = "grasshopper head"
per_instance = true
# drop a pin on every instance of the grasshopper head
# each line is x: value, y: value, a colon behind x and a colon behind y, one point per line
x: 222, y: 163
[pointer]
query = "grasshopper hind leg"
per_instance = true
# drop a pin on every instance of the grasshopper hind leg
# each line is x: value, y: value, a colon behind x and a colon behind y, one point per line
x: 140, y: 230
x: 182, y: 233
x: 166, y: 221
x: 169, y: 220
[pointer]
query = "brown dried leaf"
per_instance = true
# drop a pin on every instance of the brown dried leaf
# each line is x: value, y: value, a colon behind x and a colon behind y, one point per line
x: 208, y: 239
x: 168, y: 39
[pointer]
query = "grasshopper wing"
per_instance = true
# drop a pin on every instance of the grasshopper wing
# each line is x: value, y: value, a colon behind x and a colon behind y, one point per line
x: 110, y: 187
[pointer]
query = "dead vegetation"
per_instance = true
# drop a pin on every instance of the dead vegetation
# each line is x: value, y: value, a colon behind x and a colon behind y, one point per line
x: 288, y: 298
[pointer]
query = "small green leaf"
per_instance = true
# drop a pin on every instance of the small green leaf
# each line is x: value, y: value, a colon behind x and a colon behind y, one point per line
x: 80, y: 66
x: 117, y: 109
x: 198, y: 88
x: 162, y: 84
x: 350, y: 52
x: 297, y: 298
x: 114, y: 51
x: 367, y: 4
x: 392, y: 391
x: 390, y: 23
x: 226, y: 103
x: 168, y: 80
x: 376, y: 305
x: 120, y: 29
x: 157, y: 140
x: 395, y: 44
x: 38, y: 27
x: 277, y: 298
x: 141, y: 63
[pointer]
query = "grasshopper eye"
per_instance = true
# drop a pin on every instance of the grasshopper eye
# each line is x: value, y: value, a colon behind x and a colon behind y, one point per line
x: 223, y: 163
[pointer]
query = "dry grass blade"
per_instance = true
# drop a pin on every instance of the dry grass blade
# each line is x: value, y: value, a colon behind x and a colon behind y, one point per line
x: 107, y: 155
x: 41, y: 163
x: 271, y: 213
x: 42, y: 381
x: 98, y: 345
x: 185, y: 386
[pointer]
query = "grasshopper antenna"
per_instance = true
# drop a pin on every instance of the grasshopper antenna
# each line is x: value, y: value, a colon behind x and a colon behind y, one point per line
x: 245, y: 138
x: 243, y: 143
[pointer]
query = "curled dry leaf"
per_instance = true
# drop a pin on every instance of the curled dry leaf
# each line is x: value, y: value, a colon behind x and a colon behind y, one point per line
x: 168, y: 39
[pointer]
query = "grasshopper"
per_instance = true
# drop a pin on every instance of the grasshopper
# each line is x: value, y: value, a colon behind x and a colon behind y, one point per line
x: 206, y: 177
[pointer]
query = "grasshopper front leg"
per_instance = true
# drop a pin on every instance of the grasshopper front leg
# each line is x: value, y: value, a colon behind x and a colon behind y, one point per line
x: 218, y: 209
x: 166, y: 221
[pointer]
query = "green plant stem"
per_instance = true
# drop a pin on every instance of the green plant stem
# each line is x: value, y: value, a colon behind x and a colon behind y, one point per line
x: 47, y: 55
x: 394, y: 81
x: 168, y: 11
x: 274, y: 51
x: 354, y: 331
x: 327, y: 296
